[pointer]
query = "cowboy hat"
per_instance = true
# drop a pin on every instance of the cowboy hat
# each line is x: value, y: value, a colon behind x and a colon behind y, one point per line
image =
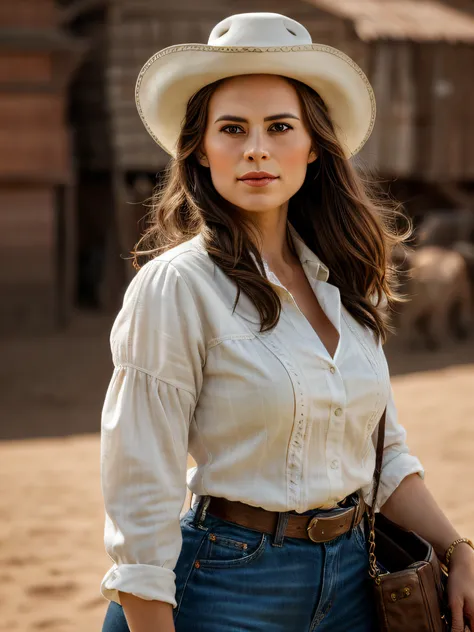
x: 250, y: 43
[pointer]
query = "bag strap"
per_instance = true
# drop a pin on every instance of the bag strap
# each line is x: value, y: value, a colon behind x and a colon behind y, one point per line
x: 373, y: 569
x: 379, y: 457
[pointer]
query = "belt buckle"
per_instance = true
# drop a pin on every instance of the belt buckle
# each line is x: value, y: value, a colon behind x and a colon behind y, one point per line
x: 311, y: 524
x: 315, y: 519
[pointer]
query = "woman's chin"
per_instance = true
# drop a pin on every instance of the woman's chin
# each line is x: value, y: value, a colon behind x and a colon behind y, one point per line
x: 258, y: 204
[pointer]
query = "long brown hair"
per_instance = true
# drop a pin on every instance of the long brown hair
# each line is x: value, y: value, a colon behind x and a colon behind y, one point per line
x: 347, y: 221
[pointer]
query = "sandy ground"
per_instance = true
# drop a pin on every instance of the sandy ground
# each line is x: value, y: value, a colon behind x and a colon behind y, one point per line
x: 51, y: 515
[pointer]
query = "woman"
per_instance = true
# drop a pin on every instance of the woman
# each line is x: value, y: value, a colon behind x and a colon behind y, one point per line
x: 253, y: 339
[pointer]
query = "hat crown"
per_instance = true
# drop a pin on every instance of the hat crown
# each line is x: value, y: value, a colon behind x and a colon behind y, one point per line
x: 260, y: 30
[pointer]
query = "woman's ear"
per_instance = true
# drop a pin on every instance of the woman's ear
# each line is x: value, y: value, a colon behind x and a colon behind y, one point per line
x: 202, y: 158
x: 313, y: 154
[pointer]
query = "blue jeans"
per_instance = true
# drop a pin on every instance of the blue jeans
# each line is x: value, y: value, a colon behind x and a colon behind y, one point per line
x: 234, y: 579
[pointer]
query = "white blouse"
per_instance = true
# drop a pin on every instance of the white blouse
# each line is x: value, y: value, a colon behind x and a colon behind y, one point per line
x: 270, y: 418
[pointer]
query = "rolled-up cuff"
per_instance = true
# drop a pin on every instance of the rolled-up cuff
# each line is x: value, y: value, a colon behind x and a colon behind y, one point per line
x: 393, y: 473
x: 142, y: 580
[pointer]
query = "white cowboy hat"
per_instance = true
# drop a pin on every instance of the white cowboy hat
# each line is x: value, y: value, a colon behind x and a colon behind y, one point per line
x: 250, y: 43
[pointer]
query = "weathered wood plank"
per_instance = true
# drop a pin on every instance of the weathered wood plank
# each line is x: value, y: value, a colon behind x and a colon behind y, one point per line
x: 423, y: 120
x: 28, y: 13
x: 18, y: 67
x: 442, y: 90
x: 31, y: 111
x: 38, y: 151
x: 27, y: 259
x: 403, y: 110
x: 469, y: 132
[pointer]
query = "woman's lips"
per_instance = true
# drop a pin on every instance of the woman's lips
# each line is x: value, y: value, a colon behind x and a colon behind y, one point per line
x: 258, y: 182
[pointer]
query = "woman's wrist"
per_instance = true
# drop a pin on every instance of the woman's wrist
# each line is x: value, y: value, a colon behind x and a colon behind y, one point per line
x: 461, y: 550
x: 147, y: 615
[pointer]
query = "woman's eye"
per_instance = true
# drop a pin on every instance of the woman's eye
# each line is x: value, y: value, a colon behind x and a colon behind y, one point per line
x: 231, y: 129
x: 276, y: 127
x: 280, y: 125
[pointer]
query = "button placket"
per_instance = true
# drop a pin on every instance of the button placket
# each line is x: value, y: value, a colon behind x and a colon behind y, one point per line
x: 335, y: 434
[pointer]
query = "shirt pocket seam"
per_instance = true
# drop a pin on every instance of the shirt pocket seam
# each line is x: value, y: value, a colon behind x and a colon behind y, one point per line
x: 217, y: 341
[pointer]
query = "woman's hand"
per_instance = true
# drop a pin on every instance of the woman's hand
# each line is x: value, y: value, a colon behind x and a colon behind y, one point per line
x: 461, y: 588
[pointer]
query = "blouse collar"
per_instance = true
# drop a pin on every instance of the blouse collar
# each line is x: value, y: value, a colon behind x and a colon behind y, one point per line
x: 315, y: 266
x: 312, y: 264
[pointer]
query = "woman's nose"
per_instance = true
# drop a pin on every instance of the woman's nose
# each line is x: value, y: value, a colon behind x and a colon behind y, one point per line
x: 256, y: 154
x: 255, y: 149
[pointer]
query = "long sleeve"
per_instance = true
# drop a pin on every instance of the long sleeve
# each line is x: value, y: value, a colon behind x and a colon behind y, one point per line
x: 397, y: 461
x: 158, y: 352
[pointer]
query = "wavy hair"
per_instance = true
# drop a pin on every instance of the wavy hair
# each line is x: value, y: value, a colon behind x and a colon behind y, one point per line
x: 345, y: 219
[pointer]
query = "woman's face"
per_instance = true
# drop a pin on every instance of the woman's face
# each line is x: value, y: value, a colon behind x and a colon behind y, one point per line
x: 255, y: 124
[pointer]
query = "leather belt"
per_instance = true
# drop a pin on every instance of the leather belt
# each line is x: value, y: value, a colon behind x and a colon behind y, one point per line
x: 319, y: 527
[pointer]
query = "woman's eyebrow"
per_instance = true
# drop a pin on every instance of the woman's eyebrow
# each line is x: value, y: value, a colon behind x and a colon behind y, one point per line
x: 239, y: 119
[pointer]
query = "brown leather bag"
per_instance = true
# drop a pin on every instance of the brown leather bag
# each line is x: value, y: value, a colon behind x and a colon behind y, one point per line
x: 409, y: 581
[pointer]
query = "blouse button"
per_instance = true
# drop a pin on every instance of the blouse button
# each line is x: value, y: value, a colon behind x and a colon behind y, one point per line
x: 335, y: 464
x: 338, y: 412
x: 332, y: 369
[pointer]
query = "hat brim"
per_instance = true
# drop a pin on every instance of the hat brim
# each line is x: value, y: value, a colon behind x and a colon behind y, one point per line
x: 170, y: 78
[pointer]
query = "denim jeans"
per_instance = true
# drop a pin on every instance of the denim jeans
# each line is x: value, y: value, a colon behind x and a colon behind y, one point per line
x: 234, y: 579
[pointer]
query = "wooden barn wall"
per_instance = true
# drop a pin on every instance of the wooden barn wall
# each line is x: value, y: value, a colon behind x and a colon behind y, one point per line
x: 468, y: 86
x: 28, y: 258
x: 36, y: 68
x: 37, y: 276
x: 27, y: 14
x: 36, y: 215
x: 138, y: 28
x: 90, y: 111
x: 425, y: 114
x: 33, y: 137
x: 452, y: 114
x: 390, y: 147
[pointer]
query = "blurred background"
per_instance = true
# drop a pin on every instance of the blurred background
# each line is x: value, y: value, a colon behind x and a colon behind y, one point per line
x: 76, y: 164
